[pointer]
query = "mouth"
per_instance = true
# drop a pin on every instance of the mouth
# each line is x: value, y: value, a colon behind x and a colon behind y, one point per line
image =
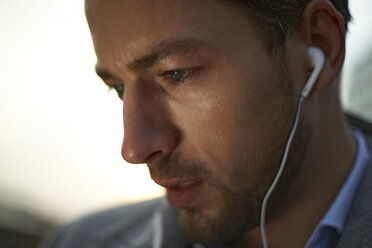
x: 181, y: 192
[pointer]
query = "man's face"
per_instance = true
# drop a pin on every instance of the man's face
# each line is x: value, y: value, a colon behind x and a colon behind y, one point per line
x: 205, y: 105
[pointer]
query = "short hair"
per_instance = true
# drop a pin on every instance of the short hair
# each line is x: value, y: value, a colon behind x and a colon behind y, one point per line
x: 275, y: 18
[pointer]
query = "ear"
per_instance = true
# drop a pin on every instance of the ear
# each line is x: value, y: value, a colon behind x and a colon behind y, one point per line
x: 323, y: 27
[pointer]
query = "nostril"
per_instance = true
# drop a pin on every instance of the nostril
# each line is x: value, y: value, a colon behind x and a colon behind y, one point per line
x: 152, y: 157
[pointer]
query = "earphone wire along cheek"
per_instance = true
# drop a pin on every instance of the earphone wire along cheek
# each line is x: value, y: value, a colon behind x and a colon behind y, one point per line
x: 317, y: 59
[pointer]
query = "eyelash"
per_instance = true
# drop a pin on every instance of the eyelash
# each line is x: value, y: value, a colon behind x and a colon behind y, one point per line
x: 118, y: 88
x: 183, y: 73
x: 165, y: 75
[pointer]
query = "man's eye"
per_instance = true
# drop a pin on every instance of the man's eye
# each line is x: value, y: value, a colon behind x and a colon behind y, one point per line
x: 119, y: 90
x: 176, y: 75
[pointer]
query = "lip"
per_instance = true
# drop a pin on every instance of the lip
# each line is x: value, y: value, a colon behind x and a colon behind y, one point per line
x: 173, y: 182
x: 181, y: 192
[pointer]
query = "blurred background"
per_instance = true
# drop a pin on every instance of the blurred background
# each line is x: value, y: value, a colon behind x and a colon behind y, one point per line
x: 61, y: 129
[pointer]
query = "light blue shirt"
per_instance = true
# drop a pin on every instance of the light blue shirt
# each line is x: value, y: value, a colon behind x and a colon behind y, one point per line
x: 329, y: 229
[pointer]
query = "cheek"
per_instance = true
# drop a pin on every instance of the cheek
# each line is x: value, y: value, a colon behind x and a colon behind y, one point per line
x: 231, y: 120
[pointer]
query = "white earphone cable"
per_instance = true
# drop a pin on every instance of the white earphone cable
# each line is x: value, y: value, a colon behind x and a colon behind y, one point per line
x: 158, y: 230
x: 279, y: 174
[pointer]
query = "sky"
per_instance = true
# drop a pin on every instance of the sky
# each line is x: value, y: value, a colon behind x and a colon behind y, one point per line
x: 60, y: 128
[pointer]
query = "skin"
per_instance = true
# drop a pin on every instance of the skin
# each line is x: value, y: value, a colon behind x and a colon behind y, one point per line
x: 227, y: 121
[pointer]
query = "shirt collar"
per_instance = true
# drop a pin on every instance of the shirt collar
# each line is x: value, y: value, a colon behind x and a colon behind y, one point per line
x: 336, y: 215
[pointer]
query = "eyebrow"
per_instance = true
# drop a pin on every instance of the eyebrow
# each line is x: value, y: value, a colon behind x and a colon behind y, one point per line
x: 165, y: 50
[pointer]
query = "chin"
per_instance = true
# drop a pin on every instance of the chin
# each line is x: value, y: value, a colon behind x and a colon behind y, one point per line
x: 232, y: 219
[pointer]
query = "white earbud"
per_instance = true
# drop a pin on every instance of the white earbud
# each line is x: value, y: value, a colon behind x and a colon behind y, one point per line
x: 317, y: 59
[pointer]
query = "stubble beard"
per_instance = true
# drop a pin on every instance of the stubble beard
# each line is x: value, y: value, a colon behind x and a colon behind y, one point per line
x: 241, y: 198
x: 240, y: 208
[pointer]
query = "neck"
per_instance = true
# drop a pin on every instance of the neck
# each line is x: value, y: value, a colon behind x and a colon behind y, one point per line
x: 322, y: 178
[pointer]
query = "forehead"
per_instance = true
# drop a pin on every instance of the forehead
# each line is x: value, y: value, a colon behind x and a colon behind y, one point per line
x: 124, y: 29
x: 164, y: 12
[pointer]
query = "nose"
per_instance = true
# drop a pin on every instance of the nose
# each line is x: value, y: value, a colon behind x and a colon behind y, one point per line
x: 149, y: 133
